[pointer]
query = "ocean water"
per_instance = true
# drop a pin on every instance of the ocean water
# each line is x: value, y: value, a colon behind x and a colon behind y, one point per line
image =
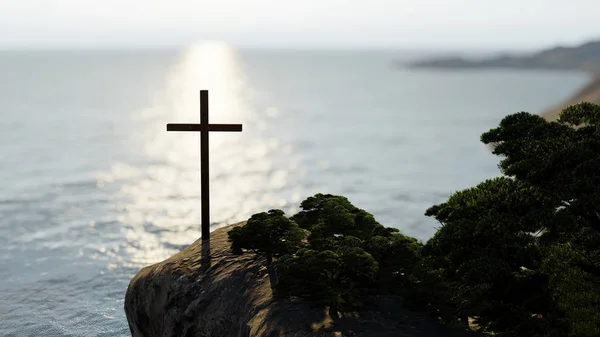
x: 94, y: 188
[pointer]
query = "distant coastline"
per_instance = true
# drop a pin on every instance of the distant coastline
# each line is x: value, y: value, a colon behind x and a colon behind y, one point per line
x: 585, y: 57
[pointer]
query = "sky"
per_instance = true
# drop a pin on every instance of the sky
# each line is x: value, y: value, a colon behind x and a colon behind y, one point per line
x: 421, y: 24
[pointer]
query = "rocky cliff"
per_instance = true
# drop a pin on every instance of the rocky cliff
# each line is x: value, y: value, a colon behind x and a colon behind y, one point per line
x: 206, y: 291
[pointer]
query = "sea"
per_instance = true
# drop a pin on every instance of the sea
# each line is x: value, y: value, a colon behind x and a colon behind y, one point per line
x: 93, y: 187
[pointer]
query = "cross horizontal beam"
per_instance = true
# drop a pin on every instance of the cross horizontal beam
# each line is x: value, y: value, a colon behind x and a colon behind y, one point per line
x: 205, y: 127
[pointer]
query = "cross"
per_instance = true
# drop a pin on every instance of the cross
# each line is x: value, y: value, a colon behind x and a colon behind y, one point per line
x: 204, y: 127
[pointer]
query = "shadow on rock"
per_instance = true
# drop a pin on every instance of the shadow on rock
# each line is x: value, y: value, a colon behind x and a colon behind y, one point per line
x: 206, y: 291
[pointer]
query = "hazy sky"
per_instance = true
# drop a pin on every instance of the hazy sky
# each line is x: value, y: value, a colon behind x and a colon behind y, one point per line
x: 303, y: 23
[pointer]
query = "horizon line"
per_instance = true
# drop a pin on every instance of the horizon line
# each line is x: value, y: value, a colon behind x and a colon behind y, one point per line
x: 175, y: 48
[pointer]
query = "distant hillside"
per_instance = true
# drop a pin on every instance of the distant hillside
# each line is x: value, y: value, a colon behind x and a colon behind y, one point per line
x: 584, y: 57
x: 589, y: 93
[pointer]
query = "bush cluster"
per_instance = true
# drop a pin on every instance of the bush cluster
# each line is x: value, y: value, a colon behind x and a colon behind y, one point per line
x: 518, y: 254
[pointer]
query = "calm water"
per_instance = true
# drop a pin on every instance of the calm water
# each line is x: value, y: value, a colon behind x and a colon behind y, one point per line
x: 94, y: 188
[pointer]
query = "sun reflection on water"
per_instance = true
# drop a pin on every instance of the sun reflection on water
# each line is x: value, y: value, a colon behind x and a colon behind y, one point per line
x: 159, y: 199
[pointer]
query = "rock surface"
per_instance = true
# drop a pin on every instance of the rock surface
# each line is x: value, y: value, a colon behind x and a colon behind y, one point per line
x: 230, y: 296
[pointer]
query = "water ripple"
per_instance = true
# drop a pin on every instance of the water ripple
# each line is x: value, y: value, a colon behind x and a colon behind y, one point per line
x: 88, y: 202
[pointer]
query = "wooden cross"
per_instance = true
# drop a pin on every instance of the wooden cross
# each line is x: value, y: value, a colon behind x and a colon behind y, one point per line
x: 204, y: 127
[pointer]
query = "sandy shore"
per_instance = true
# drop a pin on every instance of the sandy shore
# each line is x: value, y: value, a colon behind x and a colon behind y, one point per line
x: 589, y: 93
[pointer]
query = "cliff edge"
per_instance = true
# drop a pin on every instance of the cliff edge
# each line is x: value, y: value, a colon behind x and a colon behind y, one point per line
x: 207, y: 291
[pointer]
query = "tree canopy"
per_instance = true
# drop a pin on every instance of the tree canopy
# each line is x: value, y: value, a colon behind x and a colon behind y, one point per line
x: 519, y: 254
x: 271, y: 233
x: 522, y: 251
x: 347, y: 256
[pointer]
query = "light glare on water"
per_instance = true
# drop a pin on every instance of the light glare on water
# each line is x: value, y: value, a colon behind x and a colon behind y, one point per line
x: 164, y: 197
x: 95, y: 187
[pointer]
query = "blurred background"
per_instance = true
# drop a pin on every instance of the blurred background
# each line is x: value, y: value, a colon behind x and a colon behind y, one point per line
x: 331, y: 100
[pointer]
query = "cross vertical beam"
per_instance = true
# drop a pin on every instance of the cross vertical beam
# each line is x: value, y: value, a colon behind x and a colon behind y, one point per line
x: 204, y: 128
x: 204, y: 166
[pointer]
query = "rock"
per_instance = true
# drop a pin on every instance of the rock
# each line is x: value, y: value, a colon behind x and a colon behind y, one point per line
x: 190, y: 295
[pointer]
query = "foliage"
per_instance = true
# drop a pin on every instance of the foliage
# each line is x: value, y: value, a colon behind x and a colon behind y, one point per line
x: 270, y: 233
x: 521, y: 252
x: 333, y: 217
x: 562, y: 160
x: 341, y: 279
x: 348, y: 257
x: 334, y: 222
x: 488, y: 253
x: 576, y: 291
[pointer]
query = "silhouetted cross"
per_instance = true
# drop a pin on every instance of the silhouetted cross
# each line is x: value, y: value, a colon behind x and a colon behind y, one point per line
x: 204, y: 128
